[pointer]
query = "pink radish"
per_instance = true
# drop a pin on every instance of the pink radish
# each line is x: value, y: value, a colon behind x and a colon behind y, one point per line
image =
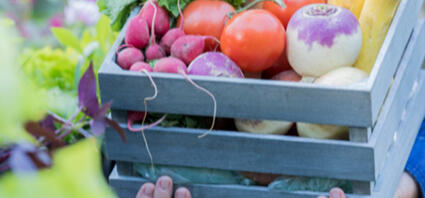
x: 162, y: 24
x: 154, y: 51
x: 128, y: 56
x: 176, y: 66
x: 188, y: 47
x: 172, y: 35
x: 139, y: 66
x: 137, y: 33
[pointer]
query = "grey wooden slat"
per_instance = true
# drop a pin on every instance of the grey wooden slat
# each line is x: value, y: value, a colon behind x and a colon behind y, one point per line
x: 392, y: 110
x: 247, y: 152
x: 391, y: 51
x: 361, y: 134
x: 127, y: 187
x: 243, y: 98
x: 406, y: 132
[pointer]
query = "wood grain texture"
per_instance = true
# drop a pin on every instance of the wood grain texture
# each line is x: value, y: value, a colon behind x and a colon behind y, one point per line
x: 127, y: 187
x: 247, y: 152
x: 391, y: 52
x: 404, y: 138
x: 392, y: 110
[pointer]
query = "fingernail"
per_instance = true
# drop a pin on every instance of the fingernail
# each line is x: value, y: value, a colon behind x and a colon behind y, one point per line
x: 182, y: 194
x: 165, y: 184
x: 336, y: 194
x: 148, y: 190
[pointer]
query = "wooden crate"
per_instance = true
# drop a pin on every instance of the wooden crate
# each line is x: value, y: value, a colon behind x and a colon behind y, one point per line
x: 357, y: 107
x: 127, y: 185
x: 373, y: 111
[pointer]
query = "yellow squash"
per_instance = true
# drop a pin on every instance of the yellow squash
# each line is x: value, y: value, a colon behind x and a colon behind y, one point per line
x: 375, y: 20
x: 355, y: 6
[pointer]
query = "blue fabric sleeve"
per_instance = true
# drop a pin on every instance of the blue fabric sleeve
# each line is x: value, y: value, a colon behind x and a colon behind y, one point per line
x: 416, y: 164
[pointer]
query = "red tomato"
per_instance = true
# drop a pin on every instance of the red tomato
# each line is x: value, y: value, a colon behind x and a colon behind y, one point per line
x: 254, y: 39
x: 284, y: 14
x: 206, y: 17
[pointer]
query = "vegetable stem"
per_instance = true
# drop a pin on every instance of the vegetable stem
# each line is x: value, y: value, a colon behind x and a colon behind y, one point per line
x: 279, y: 2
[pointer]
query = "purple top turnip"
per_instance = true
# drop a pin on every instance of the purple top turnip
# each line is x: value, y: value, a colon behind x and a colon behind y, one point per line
x: 321, y: 38
x: 214, y: 64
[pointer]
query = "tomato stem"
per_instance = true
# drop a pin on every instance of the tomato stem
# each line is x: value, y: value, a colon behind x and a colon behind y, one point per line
x: 278, y: 2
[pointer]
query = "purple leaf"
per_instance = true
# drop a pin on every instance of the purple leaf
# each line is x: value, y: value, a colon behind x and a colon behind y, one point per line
x: 48, y: 123
x: 37, y: 130
x: 98, y: 126
x: 87, y: 95
x: 117, y: 128
x: 103, y: 110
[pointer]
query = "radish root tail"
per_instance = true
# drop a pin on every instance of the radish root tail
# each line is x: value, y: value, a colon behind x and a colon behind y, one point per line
x: 214, y: 39
x: 181, y: 15
x: 152, y: 41
x: 212, y: 97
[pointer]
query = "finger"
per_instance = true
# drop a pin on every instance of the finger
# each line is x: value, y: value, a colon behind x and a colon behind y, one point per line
x: 336, y: 193
x: 182, y: 193
x: 146, y: 191
x: 163, y: 188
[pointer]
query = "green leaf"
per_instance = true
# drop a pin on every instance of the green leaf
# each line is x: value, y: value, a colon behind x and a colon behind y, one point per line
x: 76, y: 172
x: 103, y: 30
x: 67, y: 38
x: 171, y: 5
x: 118, y: 11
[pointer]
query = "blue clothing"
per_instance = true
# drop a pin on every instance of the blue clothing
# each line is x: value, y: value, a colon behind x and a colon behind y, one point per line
x: 416, y: 164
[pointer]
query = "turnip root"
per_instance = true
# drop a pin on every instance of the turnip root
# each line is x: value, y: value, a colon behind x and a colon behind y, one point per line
x: 321, y: 38
x: 214, y: 64
x: 139, y: 66
x: 129, y: 56
x: 162, y: 19
x: 263, y: 126
x: 137, y: 33
x: 187, y: 48
x: 344, y: 76
x: 269, y: 126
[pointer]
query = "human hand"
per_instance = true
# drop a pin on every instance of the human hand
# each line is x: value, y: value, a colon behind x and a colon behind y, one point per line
x: 407, y: 188
x: 162, y: 189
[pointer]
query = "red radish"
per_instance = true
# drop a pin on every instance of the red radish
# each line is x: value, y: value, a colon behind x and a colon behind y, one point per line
x: 206, y: 18
x: 139, y: 66
x: 137, y: 33
x: 170, y: 65
x: 188, y: 47
x: 162, y: 19
x: 172, y: 35
x: 176, y: 66
x: 214, y: 64
x: 154, y: 51
x: 129, y: 56
x: 289, y: 75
